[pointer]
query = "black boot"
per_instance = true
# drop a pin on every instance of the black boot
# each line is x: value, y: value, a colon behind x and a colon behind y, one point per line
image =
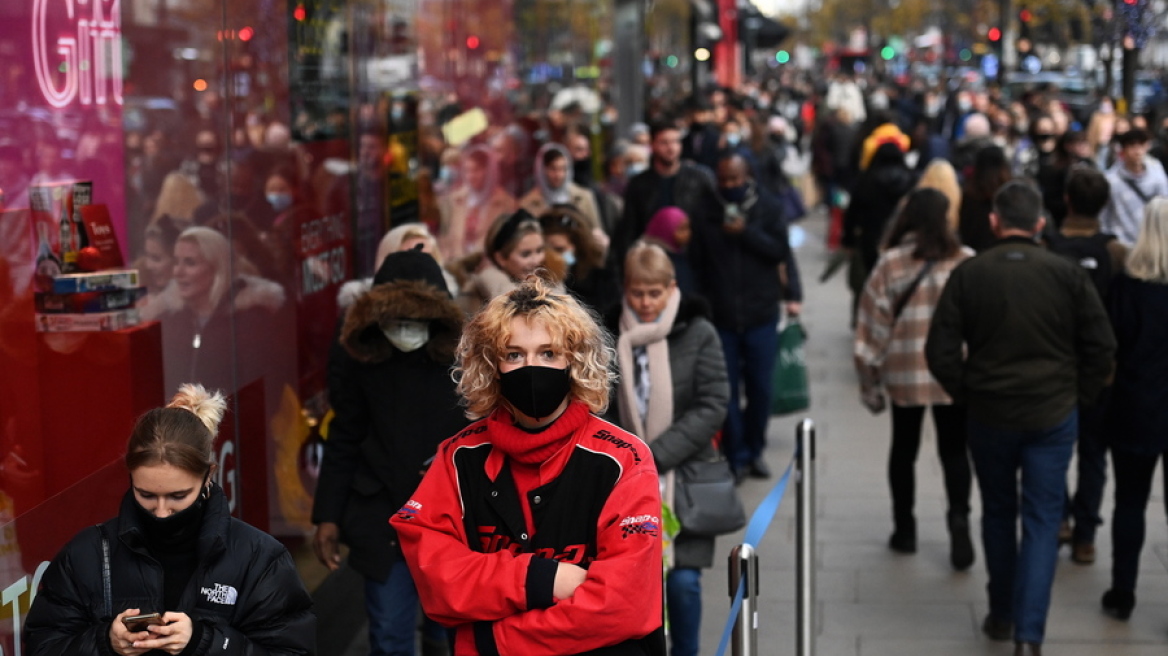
x: 1119, y: 603
x: 960, y: 545
x: 904, y: 537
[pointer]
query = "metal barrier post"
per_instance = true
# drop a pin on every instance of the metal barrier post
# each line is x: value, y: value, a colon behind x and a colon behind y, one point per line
x: 805, y: 537
x: 744, y: 565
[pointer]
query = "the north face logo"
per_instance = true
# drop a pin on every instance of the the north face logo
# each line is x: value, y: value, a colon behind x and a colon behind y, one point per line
x: 221, y: 594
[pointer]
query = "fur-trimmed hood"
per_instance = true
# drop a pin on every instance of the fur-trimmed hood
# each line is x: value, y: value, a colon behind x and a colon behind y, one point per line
x: 361, y: 333
x: 256, y: 292
x: 246, y: 293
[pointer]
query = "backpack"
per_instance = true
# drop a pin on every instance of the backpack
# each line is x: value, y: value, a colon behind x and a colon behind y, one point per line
x: 1091, y: 254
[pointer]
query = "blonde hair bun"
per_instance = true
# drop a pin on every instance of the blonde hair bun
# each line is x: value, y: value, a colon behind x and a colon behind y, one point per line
x: 207, y: 406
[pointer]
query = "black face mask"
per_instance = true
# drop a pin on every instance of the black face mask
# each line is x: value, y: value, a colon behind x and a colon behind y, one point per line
x: 535, y: 391
x: 582, y: 172
x: 182, y: 526
x: 734, y: 194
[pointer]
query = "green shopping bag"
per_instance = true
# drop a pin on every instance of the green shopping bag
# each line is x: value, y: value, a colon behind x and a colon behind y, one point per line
x: 789, y: 388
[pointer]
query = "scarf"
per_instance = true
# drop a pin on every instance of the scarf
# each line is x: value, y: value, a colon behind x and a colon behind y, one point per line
x: 531, y: 448
x: 652, y: 336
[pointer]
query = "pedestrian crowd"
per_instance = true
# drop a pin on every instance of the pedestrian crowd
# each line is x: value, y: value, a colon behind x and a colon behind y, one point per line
x: 611, y: 320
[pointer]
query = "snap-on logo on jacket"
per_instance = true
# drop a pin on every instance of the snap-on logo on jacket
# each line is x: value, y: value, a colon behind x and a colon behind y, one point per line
x: 471, y: 431
x: 617, y: 442
x: 221, y: 594
x: 640, y: 525
x: 409, y: 511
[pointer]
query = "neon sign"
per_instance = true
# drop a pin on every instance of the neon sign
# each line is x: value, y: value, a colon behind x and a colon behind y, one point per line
x: 85, y: 66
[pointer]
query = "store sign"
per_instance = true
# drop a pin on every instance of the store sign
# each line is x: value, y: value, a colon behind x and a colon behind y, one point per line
x: 77, y: 51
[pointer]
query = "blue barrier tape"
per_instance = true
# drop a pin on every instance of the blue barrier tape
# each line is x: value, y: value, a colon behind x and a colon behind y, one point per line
x: 760, y: 521
x: 735, y: 608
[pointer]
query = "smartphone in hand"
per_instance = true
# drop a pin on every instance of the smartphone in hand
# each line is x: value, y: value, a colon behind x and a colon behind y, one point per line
x: 137, y: 623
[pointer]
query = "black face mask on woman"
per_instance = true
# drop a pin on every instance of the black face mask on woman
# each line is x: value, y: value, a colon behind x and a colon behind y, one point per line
x: 535, y: 391
x: 178, y: 528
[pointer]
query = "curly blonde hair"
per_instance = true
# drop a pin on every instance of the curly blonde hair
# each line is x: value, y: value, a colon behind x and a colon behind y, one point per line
x: 575, y: 332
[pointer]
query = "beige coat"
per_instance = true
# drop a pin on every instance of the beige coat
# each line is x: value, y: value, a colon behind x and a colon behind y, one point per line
x: 456, y: 239
x: 582, y: 198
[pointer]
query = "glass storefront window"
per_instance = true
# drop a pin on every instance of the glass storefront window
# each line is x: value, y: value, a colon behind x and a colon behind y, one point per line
x: 249, y: 156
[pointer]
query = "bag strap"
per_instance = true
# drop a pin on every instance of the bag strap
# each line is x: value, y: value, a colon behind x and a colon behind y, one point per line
x: 1136, y: 188
x: 912, y: 288
x: 105, y: 572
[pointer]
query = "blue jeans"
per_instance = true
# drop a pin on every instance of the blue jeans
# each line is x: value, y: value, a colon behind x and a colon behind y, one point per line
x: 1021, y: 576
x: 392, y: 607
x: 683, y: 597
x: 750, y: 357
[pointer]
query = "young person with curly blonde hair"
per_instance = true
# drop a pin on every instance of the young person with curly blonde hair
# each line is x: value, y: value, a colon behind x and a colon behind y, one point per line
x: 537, y: 529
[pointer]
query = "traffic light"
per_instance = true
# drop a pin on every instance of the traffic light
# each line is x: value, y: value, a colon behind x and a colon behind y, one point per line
x: 1024, y: 17
x: 472, y: 42
x: 994, y: 35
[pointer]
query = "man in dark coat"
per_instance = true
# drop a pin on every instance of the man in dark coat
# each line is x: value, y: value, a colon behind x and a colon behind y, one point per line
x: 668, y: 182
x: 736, y: 256
x: 1020, y: 336
x: 390, y: 387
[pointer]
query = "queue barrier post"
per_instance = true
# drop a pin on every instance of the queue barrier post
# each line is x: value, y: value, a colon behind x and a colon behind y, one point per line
x: 805, y: 538
x: 744, y: 572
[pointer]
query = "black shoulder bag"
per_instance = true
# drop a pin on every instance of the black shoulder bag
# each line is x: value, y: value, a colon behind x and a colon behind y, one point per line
x: 912, y: 288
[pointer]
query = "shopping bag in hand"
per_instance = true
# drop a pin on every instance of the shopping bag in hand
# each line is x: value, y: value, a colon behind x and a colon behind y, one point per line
x: 789, y: 388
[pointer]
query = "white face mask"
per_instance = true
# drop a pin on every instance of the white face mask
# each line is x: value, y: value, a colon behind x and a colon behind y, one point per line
x: 407, y: 335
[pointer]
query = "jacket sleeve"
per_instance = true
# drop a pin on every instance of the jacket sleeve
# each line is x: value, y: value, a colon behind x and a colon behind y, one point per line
x: 793, y: 291
x: 621, y: 598
x: 1095, y: 341
x: 349, y: 427
x: 276, y: 620
x: 873, y: 322
x: 944, y: 348
x: 695, y: 425
x: 766, y: 233
x: 456, y: 584
x: 62, y: 620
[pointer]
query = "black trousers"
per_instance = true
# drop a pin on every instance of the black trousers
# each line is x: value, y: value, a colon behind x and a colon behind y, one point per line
x: 1133, y: 486
x: 949, y: 422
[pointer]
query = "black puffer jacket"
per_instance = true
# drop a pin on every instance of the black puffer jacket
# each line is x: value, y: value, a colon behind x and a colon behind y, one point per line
x: 392, y: 410
x: 245, y: 594
x: 874, y: 200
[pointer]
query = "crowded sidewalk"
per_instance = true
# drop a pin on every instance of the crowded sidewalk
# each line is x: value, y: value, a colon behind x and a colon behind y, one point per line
x: 871, y: 600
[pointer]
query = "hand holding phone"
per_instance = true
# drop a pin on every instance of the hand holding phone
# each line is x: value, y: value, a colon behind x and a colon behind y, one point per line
x: 124, y: 631
x: 138, y: 623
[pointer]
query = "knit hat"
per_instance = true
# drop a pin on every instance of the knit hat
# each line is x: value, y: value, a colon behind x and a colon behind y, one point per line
x: 411, y: 265
x: 663, y: 226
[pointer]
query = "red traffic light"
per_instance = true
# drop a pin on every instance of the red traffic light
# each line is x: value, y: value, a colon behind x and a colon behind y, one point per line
x: 1025, y: 15
x: 994, y: 34
x: 472, y: 42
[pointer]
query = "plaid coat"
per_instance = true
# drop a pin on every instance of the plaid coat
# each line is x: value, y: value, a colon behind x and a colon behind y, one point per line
x: 891, y: 352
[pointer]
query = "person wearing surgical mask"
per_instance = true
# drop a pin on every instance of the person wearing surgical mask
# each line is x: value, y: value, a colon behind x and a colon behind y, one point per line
x: 587, y: 277
x: 390, y: 386
x: 538, y: 528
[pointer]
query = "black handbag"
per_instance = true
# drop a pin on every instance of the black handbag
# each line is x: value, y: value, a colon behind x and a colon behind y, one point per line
x: 706, y: 499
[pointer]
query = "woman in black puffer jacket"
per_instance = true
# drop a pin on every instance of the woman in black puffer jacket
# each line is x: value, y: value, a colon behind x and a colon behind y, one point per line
x: 219, y: 585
